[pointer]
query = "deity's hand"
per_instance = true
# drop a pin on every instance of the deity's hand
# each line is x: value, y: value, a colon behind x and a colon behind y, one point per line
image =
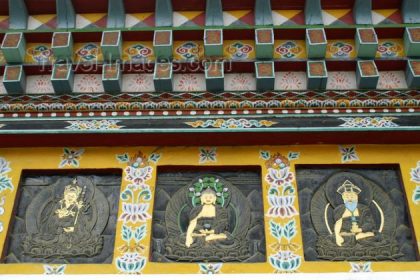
x: 68, y: 229
x: 79, y: 204
x: 188, y: 241
x: 339, y: 240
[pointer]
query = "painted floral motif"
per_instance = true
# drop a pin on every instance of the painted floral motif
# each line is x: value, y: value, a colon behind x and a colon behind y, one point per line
x: 341, y: 80
x: 2, y: 59
x: 189, y: 51
x: 240, y: 81
x: 368, y: 122
x: 415, y: 177
x: 54, y: 269
x: 210, y: 268
x: 88, y: 83
x: 340, y: 49
x: 348, y: 153
x: 71, y: 157
x: 289, y: 49
x: 389, y: 49
x: 188, y: 82
x: 391, y: 80
x: 94, y: 125
x: 2, y: 201
x: 230, y: 123
x: 39, y: 84
x: 239, y: 50
x: 207, y: 154
x: 291, y: 80
x: 5, y: 180
x: 88, y: 52
x: 40, y: 53
x: 138, y: 52
x: 361, y: 267
x: 281, y: 194
x: 135, y: 210
x: 132, y: 237
x: 138, y: 82
x: 131, y: 263
x: 281, y: 197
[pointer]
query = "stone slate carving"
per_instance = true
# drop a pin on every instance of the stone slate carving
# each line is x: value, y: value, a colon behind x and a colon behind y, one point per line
x: 348, y: 216
x: 210, y: 217
x: 69, y: 219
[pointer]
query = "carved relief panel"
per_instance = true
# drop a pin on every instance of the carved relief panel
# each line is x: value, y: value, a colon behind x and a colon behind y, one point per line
x: 208, y: 216
x: 354, y: 214
x: 65, y: 219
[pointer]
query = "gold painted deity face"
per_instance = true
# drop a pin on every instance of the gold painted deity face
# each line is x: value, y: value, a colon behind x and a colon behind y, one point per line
x: 208, y: 198
x: 350, y: 197
x: 70, y: 197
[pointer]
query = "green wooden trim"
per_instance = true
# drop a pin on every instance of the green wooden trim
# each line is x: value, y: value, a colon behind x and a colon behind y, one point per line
x: 186, y: 28
x: 263, y: 13
x: 66, y: 17
x: 116, y: 14
x: 214, y: 13
x: 163, y: 13
x: 18, y: 14
x: 313, y: 12
x: 411, y: 11
x: 362, y: 11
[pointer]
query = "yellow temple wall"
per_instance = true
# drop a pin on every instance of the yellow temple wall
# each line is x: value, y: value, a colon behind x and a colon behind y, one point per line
x: 133, y: 256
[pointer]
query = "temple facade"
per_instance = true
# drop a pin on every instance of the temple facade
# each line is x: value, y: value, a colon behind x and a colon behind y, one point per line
x: 209, y: 136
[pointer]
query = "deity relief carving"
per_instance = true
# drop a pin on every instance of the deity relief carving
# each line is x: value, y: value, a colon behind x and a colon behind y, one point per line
x: 353, y: 219
x: 209, y: 219
x: 66, y: 220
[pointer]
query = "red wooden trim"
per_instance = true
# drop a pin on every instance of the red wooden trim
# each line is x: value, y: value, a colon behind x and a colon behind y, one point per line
x: 384, y: 33
x: 39, y: 7
x: 4, y: 7
x: 91, y: 6
x: 133, y: 6
x: 386, y: 4
x: 210, y: 139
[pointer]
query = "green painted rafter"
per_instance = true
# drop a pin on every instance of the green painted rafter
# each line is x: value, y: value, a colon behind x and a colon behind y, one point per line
x: 214, y: 13
x: 18, y: 14
x: 411, y: 11
x: 66, y: 17
x: 163, y: 13
x: 362, y: 11
x: 313, y: 12
x: 116, y: 14
x: 263, y: 13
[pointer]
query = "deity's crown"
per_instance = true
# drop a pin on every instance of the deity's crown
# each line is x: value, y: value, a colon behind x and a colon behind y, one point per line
x: 73, y: 187
x: 348, y: 186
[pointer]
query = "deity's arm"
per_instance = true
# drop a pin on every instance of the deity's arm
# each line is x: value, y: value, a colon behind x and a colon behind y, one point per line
x: 337, y: 229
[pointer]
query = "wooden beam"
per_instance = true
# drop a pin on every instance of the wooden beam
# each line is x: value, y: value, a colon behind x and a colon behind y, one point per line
x: 18, y: 14
x: 362, y: 11
x: 214, y: 13
x: 313, y: 12
x: 163, y: 13
x: 263, y: 13
x: 66, y: 17
x: 116, y: 14
x: 411, y: 11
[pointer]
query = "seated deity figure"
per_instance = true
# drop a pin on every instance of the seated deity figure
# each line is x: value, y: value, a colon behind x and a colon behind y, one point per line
x: 208, y: 222
x: 354, y: 222
x: 63, y: 227
x: 203, y: 225
x: 66, y: 214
